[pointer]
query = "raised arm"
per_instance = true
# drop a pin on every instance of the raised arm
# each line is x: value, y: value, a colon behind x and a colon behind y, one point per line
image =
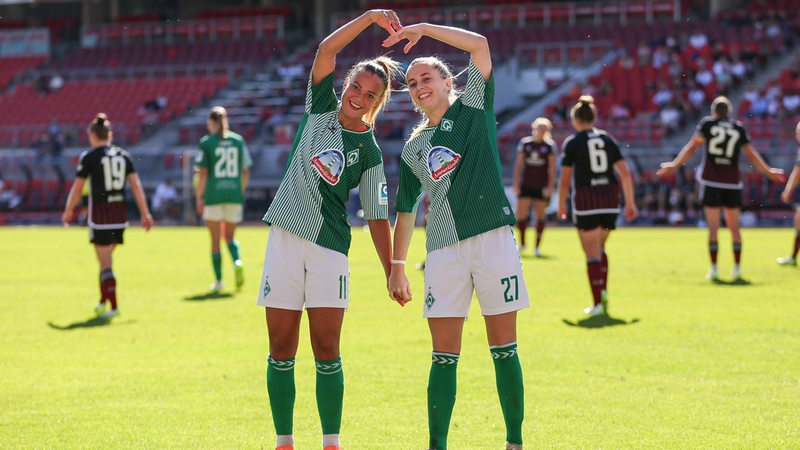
x: 775, y: 175
x: 398, y: 285
x: 687, y: 151
x: 473, y: 43
x: 325, y: 60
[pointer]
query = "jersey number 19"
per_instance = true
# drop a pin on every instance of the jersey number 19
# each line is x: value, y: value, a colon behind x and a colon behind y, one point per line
x: 113, y: 172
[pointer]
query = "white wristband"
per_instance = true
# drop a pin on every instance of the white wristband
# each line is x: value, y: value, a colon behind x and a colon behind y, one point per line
x: 398, y: 261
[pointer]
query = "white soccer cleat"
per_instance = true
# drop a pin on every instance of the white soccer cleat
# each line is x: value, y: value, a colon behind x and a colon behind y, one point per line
x: 100, y: 308
x: 109, y: 314
x: 596, y: 310
x: 537, y: 253
x: 736, y: 273
x: 217, y: 286
x: 787, y: 261
x: 712, y: 274
x: 238, y: 269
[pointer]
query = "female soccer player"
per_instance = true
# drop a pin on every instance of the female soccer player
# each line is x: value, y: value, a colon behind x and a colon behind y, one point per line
x: 718, y: 175
x: 306, y: 264
x: 534, y: 178
x: 786, y: 196
x: 452, y: 154
x: 589, y: 162
x: 109, y: 169
x: 223, y: 169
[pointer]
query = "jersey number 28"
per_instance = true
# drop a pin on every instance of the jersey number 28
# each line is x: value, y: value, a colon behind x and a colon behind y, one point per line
x: 227, y: 165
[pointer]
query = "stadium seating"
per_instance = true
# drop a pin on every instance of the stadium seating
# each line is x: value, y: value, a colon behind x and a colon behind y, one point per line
x: 11, y: 67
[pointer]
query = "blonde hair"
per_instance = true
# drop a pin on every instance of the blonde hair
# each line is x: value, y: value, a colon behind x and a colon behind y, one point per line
x: 100, y: 126
x: 219, y: 115
x: 584, y: 110
x: 384, y: 67
x: 446, y: 73
x: 722, y: 107
x: 548, y: 135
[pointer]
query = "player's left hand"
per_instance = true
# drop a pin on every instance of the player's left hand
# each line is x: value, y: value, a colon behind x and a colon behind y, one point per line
x: 666, y: 169
x: 386, y: 19
x: 631, y: 212
x: 147, y: 221
x: 411, y: 32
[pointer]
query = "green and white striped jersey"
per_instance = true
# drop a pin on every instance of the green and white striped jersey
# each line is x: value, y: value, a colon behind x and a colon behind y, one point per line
x: 224, y: 159
x: 457, y: 163
x: 326, y: 162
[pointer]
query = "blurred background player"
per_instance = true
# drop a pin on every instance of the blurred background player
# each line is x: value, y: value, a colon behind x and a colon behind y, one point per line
x: 223, y: 171
x: 452, y: 154
x: 589, y: 162
x: 109, y: 169
x: 534, y: 178
x: 306, y: 264
x: 719, y: 177
x: 786, y: 196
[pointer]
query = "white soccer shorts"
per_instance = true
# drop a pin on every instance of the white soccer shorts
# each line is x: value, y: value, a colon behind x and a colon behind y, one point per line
x: 223, y: 212
x: 299, y: 273
x: 488, y: 264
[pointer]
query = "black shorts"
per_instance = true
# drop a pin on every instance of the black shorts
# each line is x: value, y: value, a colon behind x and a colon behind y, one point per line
x: 718, y: 197
x: 591, y: 221
x: 534, y: 193
x: 106, y: 237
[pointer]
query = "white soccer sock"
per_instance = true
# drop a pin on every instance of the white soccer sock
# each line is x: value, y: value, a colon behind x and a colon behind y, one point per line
x: 330, y: 439
x: 284, y: 439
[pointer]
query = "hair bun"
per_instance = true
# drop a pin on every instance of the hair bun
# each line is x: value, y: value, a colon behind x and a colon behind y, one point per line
x: 100, y: 119
x: 586, y: 100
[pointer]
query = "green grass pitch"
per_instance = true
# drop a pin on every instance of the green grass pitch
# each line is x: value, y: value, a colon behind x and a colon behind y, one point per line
x: 680, y: 363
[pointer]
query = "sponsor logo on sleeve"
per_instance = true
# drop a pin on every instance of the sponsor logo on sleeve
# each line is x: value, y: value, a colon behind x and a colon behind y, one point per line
x: 329, y: 164
x: 383, y: 196
x: 441, y: 161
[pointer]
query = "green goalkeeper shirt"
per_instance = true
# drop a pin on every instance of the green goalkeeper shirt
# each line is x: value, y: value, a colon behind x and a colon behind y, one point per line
x: 457, y: 163
x: 326, y: 162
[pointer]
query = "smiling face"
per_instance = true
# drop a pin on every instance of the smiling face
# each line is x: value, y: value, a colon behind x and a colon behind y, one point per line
x: 429, y: 90
x: 361, y: 95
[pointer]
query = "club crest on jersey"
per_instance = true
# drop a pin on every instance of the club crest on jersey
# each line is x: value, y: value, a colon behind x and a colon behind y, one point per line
x: 352, y: 157
x: 329, y: 163
x: 447, y: 125
x: 441, y: 161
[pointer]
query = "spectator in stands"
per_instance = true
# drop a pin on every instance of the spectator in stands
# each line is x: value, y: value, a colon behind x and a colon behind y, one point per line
x: 698, y: 39
x: 703, y: 76
x: 42, y: 147
x: 738, y: 68
x: 696, y: 98
x: 660, y: 57
x: 791, y: 103
x: 165, y: 201
x: 663, y: 94
x: 722, y: 73
x: 56, y: 83
x: 620, y: 111
x: 306, y: 264
x: 675, y: 69
x: 671, y: 117
x: 9, y: 198
x: 643, y: 54
x: 759, y: 105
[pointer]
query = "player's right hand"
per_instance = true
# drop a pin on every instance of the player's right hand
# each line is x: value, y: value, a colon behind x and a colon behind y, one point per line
x: 398, y: 287
x: 66, y: 218
x: 666, y: 169
x: 386, y: 19
x: 147, y: 221
x: 199, y: 205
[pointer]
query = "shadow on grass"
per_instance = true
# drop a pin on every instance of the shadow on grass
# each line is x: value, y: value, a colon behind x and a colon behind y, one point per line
x: 736, y: 282
x: 534, y: 257
x: 91, y: 323
x: 211, y: 295
x: 600, y: 321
